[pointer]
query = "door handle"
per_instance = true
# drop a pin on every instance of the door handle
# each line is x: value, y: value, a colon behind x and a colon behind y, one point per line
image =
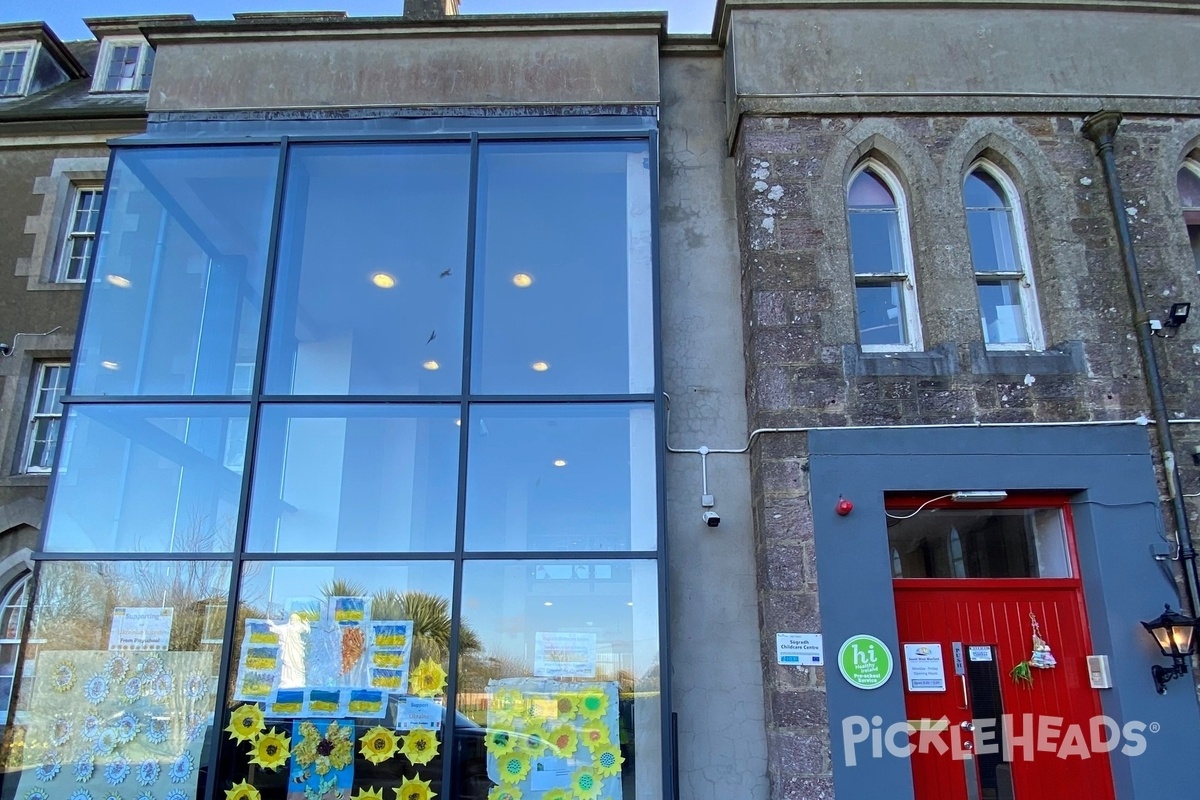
x: 967, y: 725
x: 965, y: 705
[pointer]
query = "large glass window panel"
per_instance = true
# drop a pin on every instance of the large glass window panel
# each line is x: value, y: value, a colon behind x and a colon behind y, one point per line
x: 355, y: 478
x: 563, y: 297
x: 147, y: 478
x: 1003, y: 319
x: 561, y: 477
x: 989, y: 223
x: 565, y: 682
x: 881, y: 314
x: 981, y: 543
x: 875, y: 245
x: 124, y: 663
x: 338, y: 680
x: 176, y: 293
x: 370, y: 288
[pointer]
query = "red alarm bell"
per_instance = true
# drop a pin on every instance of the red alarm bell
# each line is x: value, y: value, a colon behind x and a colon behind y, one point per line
x: 843, y: 507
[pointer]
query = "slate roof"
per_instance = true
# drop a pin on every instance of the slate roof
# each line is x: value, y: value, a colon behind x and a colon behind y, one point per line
x: 73, y: 99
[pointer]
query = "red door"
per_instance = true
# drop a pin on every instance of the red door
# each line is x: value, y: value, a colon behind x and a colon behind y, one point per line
x: 1000, y: 738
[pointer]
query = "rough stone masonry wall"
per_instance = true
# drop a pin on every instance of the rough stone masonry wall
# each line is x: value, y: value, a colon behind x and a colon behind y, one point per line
x: 804, y: 368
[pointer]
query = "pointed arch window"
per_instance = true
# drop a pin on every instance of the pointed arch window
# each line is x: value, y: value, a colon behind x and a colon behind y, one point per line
x: 12, y: 624
x: 1189, y: 198
x: 881, y: 254
x: 1000, y: 257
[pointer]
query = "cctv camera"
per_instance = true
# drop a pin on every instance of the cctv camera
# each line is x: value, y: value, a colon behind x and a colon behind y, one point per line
x: 711, y: 518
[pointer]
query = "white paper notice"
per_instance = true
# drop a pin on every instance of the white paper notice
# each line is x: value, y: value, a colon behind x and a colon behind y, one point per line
x: 564, y: 655
x: 799, y: 649
x: 923, y: 667
x: 141, y: 628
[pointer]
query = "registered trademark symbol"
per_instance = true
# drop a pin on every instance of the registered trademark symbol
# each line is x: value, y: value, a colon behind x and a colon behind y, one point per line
x: 1155, y: 727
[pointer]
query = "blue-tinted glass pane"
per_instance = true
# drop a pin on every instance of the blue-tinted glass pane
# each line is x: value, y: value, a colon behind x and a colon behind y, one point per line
x: 867, y: 190
x: 563, y: 272
x: 355, y: 478
x: 992, y: 241
x: 576, y: 477
x: 130, y: 653
x: 552, y: 628
x: 176, y: 293
x: 1003, y: 320
x: 881, y: 314
x: 1189, y: 188
x: 370, y: 292
x: 875, y: 242
x: 981, y: 191
x: 295, y: 615
x: 147, y: 478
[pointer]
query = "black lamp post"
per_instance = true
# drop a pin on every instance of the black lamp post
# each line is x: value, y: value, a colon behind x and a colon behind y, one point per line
x: 1173, y: 633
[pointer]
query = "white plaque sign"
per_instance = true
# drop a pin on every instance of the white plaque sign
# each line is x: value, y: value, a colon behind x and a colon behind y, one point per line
x: 799, y: 649
x: 923, y: 667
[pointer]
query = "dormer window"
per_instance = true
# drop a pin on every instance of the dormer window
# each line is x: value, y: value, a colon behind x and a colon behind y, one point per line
x: 14, y: 76
x: 125, y: 65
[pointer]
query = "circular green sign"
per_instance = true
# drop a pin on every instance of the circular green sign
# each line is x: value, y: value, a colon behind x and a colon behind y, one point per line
x: 865, y: 661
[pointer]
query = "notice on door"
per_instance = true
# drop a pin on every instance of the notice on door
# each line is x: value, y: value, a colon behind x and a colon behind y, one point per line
x: 140, y: 628
x: 923, y: 667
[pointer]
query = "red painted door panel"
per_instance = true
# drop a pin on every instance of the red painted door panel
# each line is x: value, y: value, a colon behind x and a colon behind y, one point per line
x: 995, y: 614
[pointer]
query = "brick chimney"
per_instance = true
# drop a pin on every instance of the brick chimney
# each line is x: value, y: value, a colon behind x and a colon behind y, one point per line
x: 430, y: 9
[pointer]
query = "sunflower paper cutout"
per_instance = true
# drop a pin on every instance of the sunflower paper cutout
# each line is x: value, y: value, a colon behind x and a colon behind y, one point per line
x: 608, y: 762
x: 428, y: 679
x: 63, y: 677
x: 368, y: 794
x: 332, y: 750
x: 419, y: 746
x: 585, y: 784
x: 593, y: 703
x: 510, y: 793
x: 566, y: 704
x: 563, y: 741
x: 415, y: 789
x: 378, y: 745
x: 557, y: 794
x: 270, y: 749
x: 595, y: 735
x: 513, y: 767
x: 245, y: 722
x: 500, y: 742
x: 507, y: 703
x: 242, y: 791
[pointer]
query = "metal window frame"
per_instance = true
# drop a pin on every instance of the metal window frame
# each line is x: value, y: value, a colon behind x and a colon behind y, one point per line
x: 70, y: 234
x: 907, y: 279
x: 238, y: 557
x: 37, y: 387
x: 1030, y: 313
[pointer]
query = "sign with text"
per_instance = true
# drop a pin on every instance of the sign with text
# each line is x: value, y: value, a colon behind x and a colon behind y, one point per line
x: 564, y: 655
x: 799, y: 649
x: 923, y: 667
x: 136, y: 628
x: 865, y: 661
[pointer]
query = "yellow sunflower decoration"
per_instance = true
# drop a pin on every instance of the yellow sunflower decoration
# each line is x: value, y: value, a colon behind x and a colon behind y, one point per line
x: 368, y: 794
x: 242, y: 791
x: 414, y: 789
x: 428, y: 679
x: 585, y: 784
x: 557, y: 794
x: 593, y: 704
x: 378, y: 745
x: 563, y: 741
x: 608, y: 762
x: 500, y: 742
x: 332, y: 750
x: 508, y: 793
x: 245, y: 722
x: 567, y: 705
x: 513, y: 767
x: 594, y: 735
x: 270, y: 749
x: 419, y: 745
x: 533, y: 743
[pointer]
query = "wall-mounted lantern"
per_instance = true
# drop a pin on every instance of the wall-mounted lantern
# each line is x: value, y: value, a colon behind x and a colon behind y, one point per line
x: 1174, y: 634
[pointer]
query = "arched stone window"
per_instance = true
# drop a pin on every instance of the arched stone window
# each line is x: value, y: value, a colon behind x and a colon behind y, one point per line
x: 881, y: 255
x: 1000, y: 259
x: 1189, y: 198
x: 12, y: 624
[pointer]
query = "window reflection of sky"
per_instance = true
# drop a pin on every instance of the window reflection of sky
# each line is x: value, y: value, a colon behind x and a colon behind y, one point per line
x: 601, y: 498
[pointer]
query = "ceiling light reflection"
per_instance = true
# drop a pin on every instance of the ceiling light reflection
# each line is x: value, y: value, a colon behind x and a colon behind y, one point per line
x: 540, y: 366
x: 383, y: 280
x: 522, y: 280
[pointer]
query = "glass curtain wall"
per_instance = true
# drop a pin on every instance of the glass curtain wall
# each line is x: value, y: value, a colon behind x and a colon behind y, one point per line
x: 358, y: 493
